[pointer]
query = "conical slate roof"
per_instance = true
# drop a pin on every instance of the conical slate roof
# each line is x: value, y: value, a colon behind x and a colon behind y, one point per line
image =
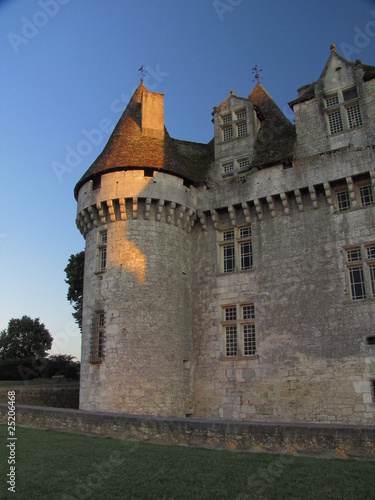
x: 128, y: 148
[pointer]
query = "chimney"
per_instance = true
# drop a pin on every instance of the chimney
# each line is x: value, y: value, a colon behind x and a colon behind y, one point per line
x: 153, y: 115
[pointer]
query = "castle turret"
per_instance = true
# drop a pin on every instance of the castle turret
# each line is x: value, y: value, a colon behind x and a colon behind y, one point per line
x: 136, y: 210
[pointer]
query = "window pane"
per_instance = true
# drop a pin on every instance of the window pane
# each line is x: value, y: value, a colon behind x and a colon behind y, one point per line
x: 228, y: 235
x: 357, y: 284
x: 372, y: 279
x: 335, y: 122
x: 246, y: 256
x: 354, y: 116
x: 245, y: 232
x: 229, y: 167
x: 230, y: 313
x: 249, y: 339
x: 103, y: 258
x: 367, y: 195
x: 350, y: 94
x: 227, y: 119
x: 231, y: 340
x: 241, y: 129
x: 248, y: 311
x: 354, y: 255
x: 228, y: 258
x: 243, y: 163
x: 227, y: 134
x: 332, y: 101
x: 371, y: 252
x: 101, y: 334
x: 241, y: 114
x: 103, y: 237
x: 343, y: 200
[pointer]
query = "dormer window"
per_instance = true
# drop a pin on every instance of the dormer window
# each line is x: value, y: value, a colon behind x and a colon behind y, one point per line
x: 241, y: 129
x: 343, y: 111
x: 237, y: 165
x: 228, y: 167
x: 227, y: 133
x: 226, y: 119
x: 241, y: 115
x: 233, y: 124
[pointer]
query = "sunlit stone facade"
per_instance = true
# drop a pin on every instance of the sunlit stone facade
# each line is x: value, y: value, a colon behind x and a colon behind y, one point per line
x: 235, y: 279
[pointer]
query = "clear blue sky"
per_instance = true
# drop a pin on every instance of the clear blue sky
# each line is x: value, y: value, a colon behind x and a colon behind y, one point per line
x: 67, y: 65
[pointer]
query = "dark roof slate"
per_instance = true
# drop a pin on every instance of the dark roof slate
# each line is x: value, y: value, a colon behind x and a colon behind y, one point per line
x: 276, y: 137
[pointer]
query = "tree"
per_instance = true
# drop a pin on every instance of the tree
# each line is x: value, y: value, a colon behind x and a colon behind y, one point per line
x: 24, y: 338
x: 74, y: 278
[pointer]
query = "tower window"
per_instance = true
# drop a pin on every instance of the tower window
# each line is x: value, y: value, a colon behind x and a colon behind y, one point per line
x: 335, y: 122
x: 226, y: 119
x: 354, y: 116
x: 241, y: 129
x: 227, y: 134
x: 102, y: 250
x: 241, y: 115
x: 97, y: 337
x: 343, y: 111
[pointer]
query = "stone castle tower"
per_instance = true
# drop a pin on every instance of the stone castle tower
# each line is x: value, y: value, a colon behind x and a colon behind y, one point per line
x: 235, y: 279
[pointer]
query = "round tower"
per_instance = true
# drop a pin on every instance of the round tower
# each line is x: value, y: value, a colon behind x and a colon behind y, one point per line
x: 135, y: 210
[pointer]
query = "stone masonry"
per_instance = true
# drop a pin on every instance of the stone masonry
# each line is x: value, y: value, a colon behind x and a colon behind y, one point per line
x: 235, y: 279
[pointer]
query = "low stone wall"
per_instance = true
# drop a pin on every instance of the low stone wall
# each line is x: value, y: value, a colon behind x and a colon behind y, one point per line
x: 64, y: 396
x: 339, y: 441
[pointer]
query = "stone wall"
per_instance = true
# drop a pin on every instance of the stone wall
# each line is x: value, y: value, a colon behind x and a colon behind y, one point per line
x: 316, y: 440
x: 312, y: 362
x: 145, y: 293
x: 65, y: 396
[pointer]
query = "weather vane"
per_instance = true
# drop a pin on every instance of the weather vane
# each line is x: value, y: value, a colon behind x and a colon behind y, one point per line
x: 142, y: 72
x: 256, y: 74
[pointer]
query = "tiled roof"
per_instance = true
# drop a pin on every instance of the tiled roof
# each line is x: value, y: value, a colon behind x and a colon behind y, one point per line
x: 276, y: 137
x: 129, y: 148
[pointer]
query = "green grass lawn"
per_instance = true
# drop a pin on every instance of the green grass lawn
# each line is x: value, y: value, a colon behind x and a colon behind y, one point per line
x: 55, y: 465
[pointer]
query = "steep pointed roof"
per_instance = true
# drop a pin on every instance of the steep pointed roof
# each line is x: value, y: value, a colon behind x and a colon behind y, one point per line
x: 128, y: 147
x: 276, y: 136
x: 308, y: 91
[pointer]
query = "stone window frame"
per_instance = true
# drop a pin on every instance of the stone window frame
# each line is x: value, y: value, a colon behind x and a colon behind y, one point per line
x: 343, y: 110
x: 234, y: 166
x: 102, y: 250
x: 234, y: 124
x: 342, y: 199
x: 238, y: 330
x: 235, y: 249
x: 241, y: 129
x: 98, y: 329
x: 360, y: 270
x: 360, y: 186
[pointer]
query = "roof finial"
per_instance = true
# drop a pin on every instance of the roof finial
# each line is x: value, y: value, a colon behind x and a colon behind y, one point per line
x: 333, y: 47
x: 143, y: 72
x: 256, y: 74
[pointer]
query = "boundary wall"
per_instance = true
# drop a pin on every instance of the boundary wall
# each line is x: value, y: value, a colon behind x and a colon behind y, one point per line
x: 327, y: 441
